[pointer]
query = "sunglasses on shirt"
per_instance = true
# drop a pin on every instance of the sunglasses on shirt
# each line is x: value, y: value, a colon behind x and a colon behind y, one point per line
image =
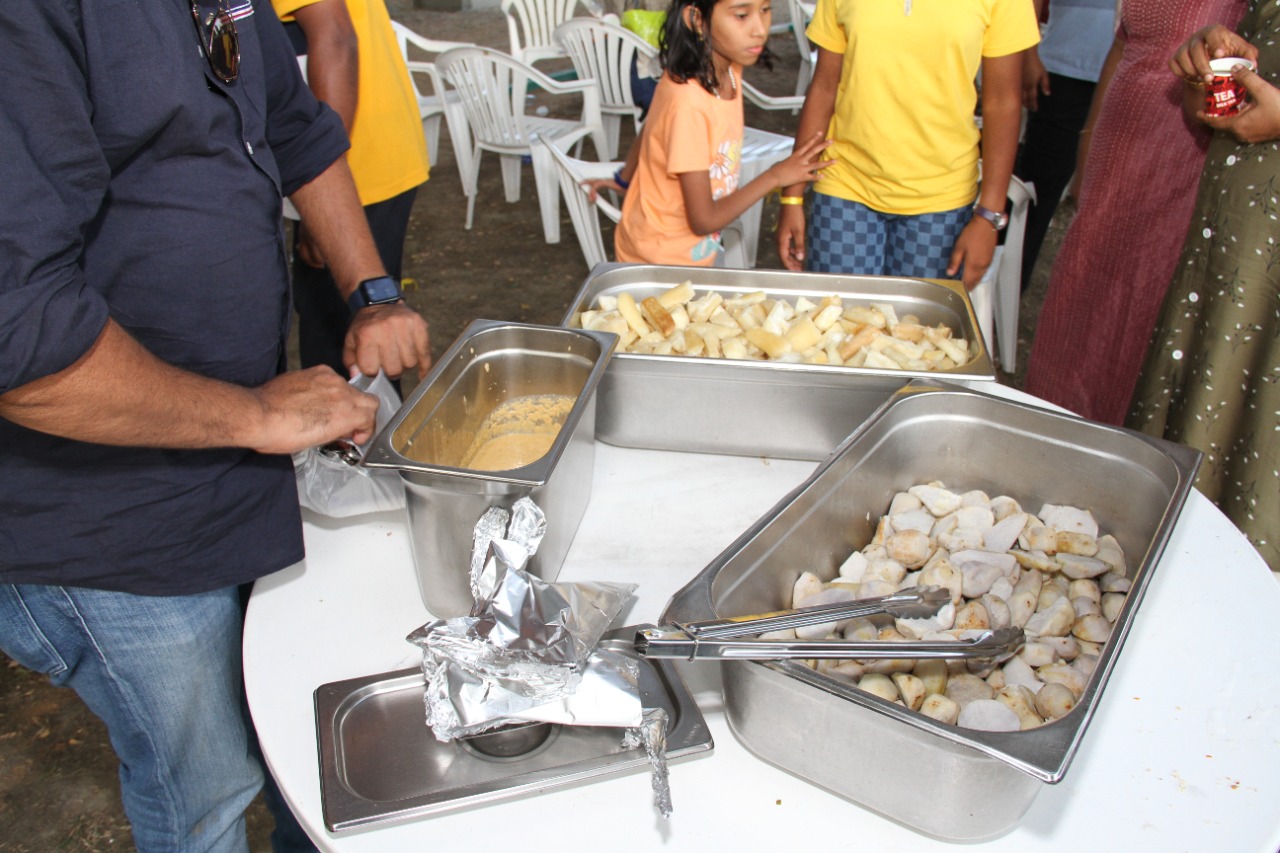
x: 219, y: 41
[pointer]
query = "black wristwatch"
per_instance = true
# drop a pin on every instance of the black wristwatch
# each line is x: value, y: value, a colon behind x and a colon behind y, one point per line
x: 998, y: 220
x: 375, y: 291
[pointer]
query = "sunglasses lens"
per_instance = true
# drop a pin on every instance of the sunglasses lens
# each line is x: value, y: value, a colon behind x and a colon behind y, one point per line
x: 220, y: 41
x: 224, y: 47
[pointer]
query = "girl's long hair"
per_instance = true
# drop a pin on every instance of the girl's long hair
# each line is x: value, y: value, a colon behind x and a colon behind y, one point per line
x: 685, y: 54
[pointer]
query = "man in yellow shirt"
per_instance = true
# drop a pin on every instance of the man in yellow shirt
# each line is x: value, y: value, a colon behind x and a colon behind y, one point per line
x: 355, y: 66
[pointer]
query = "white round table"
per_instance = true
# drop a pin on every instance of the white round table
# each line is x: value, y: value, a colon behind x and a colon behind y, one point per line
x: 1183, y: 752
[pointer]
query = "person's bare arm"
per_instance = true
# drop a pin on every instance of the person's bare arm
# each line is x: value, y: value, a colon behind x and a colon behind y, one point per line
x: 815, y: 118
x: 707, y: 214
x: 393, y: 338
x: 1035, y: 78
x: 627, y: 171
x: 333, y: 74
x: 333, y: 56
x: 118, y: 393
x: 1001, y: 118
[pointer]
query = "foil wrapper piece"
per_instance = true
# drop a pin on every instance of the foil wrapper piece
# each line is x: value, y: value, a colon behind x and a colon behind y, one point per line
x: 608, y: 695
x: 652, y: 735
x: 492, y: 525
x: 529, y: 647
x: 528, y: 525
x: 526, y: 643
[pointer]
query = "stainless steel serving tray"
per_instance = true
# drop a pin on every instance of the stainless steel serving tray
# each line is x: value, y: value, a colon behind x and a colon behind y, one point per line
x: 755, y: 408
x: 952, y: 783
x: 380, y: 763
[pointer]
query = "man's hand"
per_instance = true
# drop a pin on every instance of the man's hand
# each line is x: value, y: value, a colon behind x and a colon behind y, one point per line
x: 974, y: 249
x: 393, y: 338
x: 1035, y: 79
x: 1259, y: 119
x: 1191, y: 61
x: 308, y: 408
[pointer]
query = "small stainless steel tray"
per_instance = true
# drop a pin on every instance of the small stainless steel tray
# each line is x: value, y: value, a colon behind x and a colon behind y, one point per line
x: 380, y: 763
x: 758, y: 408
x: 492, y: 363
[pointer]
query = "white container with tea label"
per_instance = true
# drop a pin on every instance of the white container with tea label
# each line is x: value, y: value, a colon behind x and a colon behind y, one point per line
x: 1224, y: 96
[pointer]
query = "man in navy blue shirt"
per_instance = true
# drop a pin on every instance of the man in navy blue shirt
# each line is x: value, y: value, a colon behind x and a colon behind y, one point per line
x: 145, y: 419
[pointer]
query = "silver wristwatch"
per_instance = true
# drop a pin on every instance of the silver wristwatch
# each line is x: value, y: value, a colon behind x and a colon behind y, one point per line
x: 998, y: 220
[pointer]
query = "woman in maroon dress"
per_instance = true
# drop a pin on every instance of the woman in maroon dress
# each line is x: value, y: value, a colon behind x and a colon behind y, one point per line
x: 1141, y: 160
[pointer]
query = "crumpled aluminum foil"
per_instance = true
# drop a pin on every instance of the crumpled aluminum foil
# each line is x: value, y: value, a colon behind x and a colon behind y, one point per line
x: 526, y: 643
x: 651, y: 733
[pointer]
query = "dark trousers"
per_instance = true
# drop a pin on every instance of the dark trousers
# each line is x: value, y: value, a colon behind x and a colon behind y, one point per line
x: 1048, y: 156
x: 323, y: 315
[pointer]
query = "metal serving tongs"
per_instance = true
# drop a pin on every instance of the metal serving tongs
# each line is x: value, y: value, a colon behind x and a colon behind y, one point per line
x: 717, y: 639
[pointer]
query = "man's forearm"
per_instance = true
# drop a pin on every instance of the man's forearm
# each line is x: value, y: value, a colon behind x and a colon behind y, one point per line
x: 333, y: 56
x: 336, y: 221
x: 119, y: 393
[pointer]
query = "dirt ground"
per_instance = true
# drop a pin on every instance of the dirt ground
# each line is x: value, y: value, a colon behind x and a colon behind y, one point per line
x: 58, y: 785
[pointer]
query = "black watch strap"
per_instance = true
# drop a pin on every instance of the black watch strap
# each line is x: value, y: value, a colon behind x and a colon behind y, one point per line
x: 375, y: 291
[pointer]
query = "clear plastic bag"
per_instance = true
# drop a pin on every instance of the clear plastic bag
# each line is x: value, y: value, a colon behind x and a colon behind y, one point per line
x: 339, y: 489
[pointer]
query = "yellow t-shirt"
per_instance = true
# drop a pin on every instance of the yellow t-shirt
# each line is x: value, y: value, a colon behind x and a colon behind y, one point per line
x: 688, y: 129
x: 388, y: 153
x: 905, y: 140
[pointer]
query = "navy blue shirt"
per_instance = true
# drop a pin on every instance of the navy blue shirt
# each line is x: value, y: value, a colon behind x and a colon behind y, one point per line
x: 136, y: 185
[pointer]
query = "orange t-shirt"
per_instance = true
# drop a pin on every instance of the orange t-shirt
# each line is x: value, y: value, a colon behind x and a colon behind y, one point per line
x: 688, y: 130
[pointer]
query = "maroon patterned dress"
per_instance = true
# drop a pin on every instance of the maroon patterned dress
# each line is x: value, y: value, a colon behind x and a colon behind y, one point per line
x: 1119, y: 254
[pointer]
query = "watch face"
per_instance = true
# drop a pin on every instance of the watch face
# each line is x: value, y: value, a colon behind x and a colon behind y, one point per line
x: 998, y: 220
x: 379, y: 290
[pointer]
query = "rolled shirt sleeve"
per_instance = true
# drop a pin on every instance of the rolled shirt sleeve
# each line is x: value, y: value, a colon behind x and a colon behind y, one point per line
x: 53, y: 178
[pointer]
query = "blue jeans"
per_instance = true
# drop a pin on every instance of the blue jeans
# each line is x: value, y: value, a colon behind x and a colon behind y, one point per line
x: 164, y: 674
x: 852, y: 239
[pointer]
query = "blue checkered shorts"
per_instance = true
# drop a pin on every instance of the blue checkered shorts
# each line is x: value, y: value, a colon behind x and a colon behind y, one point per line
x: 851, y: 238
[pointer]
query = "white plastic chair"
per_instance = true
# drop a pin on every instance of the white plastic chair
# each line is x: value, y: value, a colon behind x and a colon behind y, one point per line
x: 440, y: 102
x: 997, y: 297
x: 770, y: 102
x: 801, y: 13
x: 585, y: 214
x: 531, y: 26
x: 603, y: 51
x: 492, y: 88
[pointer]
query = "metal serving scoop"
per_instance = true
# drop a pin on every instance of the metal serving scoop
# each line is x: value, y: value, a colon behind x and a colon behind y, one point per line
x: 715, y: 639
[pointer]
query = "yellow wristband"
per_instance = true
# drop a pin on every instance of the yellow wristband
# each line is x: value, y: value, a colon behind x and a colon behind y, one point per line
x: 791, y: 199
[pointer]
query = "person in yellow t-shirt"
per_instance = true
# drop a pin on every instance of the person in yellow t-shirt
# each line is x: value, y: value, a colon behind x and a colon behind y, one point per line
x: 355, y: 66
x: 894, y: 87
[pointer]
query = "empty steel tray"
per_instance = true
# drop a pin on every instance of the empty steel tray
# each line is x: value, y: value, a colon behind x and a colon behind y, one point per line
x: 380, y: 763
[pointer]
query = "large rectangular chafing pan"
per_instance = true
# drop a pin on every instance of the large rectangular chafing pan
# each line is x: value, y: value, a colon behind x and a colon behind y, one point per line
x: 380, y: 763
x: 952, y: 783
x: 756, y: 408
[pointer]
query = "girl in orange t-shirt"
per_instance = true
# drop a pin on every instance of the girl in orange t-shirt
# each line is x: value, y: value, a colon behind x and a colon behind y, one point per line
x: 681, y: 176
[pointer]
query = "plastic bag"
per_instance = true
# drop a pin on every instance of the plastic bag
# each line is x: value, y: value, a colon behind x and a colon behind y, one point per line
x: 330, y: 486
x: 644, y: 23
